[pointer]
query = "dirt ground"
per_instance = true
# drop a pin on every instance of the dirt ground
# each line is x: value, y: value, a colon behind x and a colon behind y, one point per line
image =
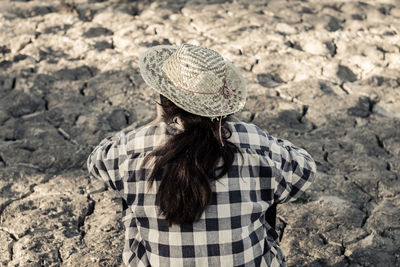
x: 323, y: 74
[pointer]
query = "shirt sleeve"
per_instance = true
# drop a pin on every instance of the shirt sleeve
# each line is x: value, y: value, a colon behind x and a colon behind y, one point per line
x: 294, y: 169
x: 107, y: 159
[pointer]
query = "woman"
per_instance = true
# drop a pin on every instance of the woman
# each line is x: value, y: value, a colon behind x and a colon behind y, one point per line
x: 197, y: 187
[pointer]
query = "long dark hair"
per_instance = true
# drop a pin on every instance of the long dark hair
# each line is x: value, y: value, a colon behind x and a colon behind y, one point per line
x: 188, y: 162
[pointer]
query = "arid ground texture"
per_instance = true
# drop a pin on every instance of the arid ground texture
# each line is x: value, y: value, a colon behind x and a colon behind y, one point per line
x: 323, y: 74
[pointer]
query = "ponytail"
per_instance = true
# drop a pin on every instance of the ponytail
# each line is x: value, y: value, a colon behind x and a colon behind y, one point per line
x: 187, y: 163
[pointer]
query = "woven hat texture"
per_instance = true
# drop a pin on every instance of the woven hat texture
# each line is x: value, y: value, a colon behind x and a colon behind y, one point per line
x: 196, y: 79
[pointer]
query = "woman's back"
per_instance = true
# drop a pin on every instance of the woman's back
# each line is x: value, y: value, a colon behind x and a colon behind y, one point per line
x: 232, y: 230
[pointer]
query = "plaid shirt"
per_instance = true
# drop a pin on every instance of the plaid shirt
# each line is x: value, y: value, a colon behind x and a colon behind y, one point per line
x: 232, y: 230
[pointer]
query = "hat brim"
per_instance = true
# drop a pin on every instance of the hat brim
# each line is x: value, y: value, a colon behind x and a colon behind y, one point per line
x: 213, y: 105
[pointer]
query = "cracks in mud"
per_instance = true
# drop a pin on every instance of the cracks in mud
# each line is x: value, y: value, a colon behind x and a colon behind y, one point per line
x: 252, y: 65
x: 343, y: 253
x: 332, y: 48
x: 10, y: 246
x: 14, y: 83
x: 15, y: 237
x: 2, y: 161
x: 341, y: 86
x: 59, y: 255
x: 371, y: 197
x: 46, y: 102
x: 252, y: 116
x: 66, y: 136
x: 303, y: 114
x: 282, y: 227
x: 82, y: 89
x: 342, y: 246
x: 383, y: 51
x: 12, y: 236
x: 11, y: 251
x: 388, y: 166
x: 63, y: 133
x: 325, y: 156
x: 9, y: 201
x: 365, y: 219
x: 323, y: 239
x: 81, y: 219
x: 381, y: 144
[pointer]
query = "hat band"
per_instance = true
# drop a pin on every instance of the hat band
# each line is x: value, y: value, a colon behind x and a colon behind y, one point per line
x: 194, y: 92
x: 227, y: 96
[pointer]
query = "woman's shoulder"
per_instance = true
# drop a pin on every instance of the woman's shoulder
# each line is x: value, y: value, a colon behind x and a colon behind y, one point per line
x: 246, y: 128
x: 147, y: 136
x: 247, y: 134
x: 146, y: 130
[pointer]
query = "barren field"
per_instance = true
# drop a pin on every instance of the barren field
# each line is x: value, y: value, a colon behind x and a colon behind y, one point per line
x: 323, y: 74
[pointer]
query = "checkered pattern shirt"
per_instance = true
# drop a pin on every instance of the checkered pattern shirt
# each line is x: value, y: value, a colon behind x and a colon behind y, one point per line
x: 232, y: 230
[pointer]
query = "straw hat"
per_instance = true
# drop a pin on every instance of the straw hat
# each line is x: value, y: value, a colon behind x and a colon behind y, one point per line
x: 195, y: 79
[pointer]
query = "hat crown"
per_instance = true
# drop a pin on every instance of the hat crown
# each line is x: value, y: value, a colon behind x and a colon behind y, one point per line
x: 196, y: 69
x: 208, y: 86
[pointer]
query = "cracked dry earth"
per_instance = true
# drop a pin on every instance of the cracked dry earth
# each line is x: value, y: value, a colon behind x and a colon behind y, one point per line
x: 323, y: 74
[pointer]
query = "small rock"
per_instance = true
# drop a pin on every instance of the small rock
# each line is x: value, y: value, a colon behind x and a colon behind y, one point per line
x: 34, y: 11
x: 285, y: 28
x: 79, y: 73
x: 294, y: 45
x: 19, y: 57
x: 97, y: 31
x: 4, y: 50
x: 118, y: 119
x: 5, y: 64
x: 384, y: 10
x: 6, y: 83
x: 19, y: 42
x: 314, y: 46
x: 331, y: 46
x: 102, y: 85
x: 19, y: 103
x: 56, y: 29
x: 88, y: 122
x: 269, y: 80
x: 85, y: 14
x: 307, y: 10
x: 390, y: 110
x: 334, y: 25
x: 359, y: 17
x: 363, y: 108
x: 164, y: 41
x: 103, y: 45
x: 346, y: 74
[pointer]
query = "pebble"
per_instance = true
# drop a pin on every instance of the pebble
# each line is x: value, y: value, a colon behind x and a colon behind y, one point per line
x: 313, y: 46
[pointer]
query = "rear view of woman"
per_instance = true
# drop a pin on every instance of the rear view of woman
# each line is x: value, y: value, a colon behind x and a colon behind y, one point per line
x: 197, y: 187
